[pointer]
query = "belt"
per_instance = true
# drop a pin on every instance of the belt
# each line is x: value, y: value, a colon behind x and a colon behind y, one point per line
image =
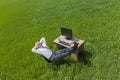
x: 51, y: 57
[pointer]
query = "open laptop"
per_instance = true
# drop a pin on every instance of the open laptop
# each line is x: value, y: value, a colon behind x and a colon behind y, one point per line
x: 67, y: 32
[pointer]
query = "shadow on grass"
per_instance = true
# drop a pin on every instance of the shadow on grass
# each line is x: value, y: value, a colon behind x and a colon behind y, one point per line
x: 61, y: 62
x: 83, y: 58
x: 56, y: 65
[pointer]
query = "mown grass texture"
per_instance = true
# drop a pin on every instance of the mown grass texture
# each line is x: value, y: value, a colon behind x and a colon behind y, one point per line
x: 22, y: 22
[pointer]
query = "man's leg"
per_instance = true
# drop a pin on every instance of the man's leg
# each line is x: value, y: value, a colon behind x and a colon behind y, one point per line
x: 65, y: 50
x: 61, y: 54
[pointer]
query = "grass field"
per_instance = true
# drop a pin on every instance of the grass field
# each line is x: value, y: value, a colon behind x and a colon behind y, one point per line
x: 22, y: 22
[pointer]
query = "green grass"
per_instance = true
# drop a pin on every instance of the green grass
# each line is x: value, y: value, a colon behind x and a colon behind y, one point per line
x: 22, y: 22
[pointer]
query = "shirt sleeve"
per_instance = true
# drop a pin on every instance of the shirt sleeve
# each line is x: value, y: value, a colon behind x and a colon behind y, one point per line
x: 43, y: 41
x: 35, y: 50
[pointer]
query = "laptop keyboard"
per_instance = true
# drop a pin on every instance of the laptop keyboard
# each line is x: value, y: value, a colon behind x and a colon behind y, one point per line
x: 64, y: 43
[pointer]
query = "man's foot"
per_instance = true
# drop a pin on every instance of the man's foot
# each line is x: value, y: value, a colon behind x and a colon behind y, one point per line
x: 75, y: 46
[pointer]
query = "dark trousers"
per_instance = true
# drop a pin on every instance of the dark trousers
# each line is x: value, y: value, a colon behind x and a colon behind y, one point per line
x: 60, y: 54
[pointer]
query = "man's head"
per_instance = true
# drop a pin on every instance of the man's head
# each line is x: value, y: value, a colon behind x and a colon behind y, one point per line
x: 38, y: 44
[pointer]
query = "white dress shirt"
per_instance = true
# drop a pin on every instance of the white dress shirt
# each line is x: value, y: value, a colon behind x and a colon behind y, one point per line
x: 44, y: 51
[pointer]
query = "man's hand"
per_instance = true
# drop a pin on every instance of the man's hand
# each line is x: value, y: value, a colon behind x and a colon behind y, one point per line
x: 38, y: 45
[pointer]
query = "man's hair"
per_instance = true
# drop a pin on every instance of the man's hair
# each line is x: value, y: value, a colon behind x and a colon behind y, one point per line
x: 37, y: 43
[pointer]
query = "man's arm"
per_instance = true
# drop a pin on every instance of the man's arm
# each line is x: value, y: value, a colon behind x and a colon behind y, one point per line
x: 34, y: 49
x: 43, y: 41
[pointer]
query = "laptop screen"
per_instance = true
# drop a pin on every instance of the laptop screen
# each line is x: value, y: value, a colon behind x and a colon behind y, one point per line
x: 66, y: 32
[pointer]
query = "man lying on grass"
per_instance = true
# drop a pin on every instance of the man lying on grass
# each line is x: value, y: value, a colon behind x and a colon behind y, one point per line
x: 41, y: 48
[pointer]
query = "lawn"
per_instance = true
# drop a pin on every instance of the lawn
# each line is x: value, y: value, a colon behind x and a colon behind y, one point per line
x: 23, y: 22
